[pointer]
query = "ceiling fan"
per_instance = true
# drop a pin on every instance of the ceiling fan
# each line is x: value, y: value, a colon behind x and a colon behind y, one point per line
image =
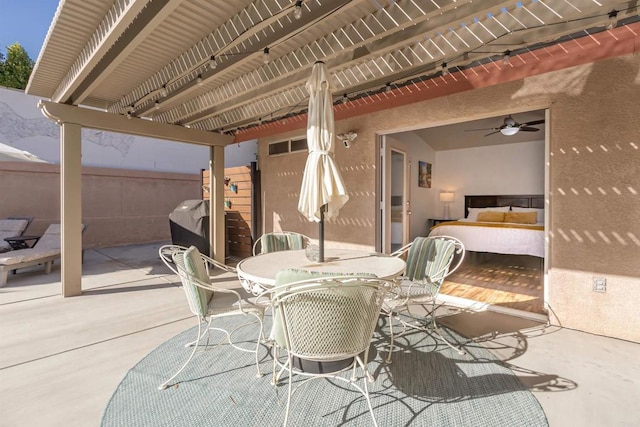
x: 511, y: 127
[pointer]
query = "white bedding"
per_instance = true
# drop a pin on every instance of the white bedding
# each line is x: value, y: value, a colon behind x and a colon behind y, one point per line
x: 516, y: 241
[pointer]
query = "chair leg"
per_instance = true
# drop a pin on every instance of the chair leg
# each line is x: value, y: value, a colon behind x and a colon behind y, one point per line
x: 290, y: 362
x: 260, y: 338
x: 195, y: 347
x: 230, y: 342
x: 435, y: 328
x: 366, y: 396
x: 4, y: 273
x: 388, y: 359
x: 200, y: 336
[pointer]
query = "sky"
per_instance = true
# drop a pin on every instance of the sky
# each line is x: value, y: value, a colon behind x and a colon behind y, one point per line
x: 25, y: 22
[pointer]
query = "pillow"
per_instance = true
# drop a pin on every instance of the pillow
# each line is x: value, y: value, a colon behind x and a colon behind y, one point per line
x: 491, y: 216
x: 539, y: 212
x: 473, y: 212
x: 520, y: 217
x: 197, y: 297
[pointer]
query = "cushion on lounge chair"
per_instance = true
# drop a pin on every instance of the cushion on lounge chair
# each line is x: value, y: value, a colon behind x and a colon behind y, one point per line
x: 45, y: 251
x: 11, y: 228
x: 48, y: 245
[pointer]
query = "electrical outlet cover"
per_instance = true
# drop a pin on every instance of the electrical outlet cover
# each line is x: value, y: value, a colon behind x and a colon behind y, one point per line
x: 599, y: 284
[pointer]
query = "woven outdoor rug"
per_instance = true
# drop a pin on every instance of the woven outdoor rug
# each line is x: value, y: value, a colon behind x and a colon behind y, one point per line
x: 428, y: 383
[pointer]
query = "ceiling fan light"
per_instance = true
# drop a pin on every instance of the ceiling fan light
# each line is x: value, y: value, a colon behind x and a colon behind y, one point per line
x: 509, y: 131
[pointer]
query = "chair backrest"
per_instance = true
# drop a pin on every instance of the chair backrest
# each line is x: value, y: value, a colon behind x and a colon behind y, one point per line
x: 280, y: 241
x: 330, y: 318
x: 51, y: 237
x: 193, y: 272
x: 431, y: 259
x: 166, y: 253
x: 29, y: 220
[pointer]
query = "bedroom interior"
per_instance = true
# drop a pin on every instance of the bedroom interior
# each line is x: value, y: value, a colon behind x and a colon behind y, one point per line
x: 490, y: 162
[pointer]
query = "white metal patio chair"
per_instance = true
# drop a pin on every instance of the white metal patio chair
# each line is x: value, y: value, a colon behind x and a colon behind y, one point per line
x: 326, y: 319
x: 208, y: 302
x: 429, y: 261
x: 280, y: 241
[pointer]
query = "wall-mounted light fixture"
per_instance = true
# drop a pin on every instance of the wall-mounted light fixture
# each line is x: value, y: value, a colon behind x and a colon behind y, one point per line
x: 506, y: 57
x: 446, y: 197
x: 297, y: 10
x: 613, y: 20
x: 347, y: 138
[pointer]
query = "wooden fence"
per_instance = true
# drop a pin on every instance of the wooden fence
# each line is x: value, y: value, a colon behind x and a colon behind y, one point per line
x: 238, y: 191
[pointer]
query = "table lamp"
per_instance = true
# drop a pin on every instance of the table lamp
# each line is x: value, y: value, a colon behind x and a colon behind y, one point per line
x: 446, y: 197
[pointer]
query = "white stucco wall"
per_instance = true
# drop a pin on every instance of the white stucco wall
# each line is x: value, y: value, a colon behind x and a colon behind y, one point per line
x: 23, y: 126
x: 497, y: 169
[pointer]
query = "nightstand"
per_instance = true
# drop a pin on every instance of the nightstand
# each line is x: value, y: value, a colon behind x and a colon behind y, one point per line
x: 435, y: 221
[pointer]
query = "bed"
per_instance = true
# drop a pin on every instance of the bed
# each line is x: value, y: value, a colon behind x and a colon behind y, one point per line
x: 482, y: 230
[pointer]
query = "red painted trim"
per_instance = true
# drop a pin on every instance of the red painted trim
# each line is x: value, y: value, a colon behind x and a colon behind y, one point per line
x: 606, y: 44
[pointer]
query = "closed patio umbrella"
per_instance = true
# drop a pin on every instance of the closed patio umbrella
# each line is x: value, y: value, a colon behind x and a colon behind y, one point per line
x: 323, y: 192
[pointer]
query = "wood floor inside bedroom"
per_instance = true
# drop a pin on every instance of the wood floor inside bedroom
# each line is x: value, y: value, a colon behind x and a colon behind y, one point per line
x: 514, y: 281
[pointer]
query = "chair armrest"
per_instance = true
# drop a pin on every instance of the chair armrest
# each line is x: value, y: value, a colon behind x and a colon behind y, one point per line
x: 218, y: 264
x: 208, y: 286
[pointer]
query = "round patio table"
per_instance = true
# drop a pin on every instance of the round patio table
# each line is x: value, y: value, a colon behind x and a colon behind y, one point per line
x: 258, y: 273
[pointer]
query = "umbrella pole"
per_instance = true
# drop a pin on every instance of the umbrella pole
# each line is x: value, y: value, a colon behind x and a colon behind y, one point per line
x: 321, y: 235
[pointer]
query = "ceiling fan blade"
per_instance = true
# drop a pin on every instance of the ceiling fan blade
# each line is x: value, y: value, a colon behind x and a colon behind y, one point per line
x: 529, y: 129
x: 468, y: 130
x: 533, y: 123
x: 492, y: 132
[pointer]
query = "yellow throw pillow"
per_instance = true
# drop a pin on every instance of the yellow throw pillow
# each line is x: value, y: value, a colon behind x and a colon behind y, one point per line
x: 491, y: 216
x: 520, y: 217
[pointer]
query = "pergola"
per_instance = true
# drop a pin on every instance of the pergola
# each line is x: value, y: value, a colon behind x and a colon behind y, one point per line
x: 211, y: 72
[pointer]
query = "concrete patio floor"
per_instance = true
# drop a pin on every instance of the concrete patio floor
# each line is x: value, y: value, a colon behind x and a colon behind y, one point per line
x: 62, y: 358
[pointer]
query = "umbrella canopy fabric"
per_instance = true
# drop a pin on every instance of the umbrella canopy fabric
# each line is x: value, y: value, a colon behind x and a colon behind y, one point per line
x: 322, y: 183
x: 11, y: 154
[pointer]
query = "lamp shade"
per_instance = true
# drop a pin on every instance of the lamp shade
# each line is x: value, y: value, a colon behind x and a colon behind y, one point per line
x: 447, y: 196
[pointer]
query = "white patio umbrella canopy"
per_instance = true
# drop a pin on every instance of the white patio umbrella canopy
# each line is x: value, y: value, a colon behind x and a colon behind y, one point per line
x: 322, y: 183
x: 12, y: 154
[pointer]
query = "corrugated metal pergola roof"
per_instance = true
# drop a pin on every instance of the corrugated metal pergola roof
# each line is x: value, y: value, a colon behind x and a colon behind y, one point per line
x: 200, y: 63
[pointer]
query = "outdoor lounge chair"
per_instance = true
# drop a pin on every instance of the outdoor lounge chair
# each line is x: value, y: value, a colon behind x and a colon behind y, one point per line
x: 429, y: 261
x: 12, y: 227
x: 45, y: 251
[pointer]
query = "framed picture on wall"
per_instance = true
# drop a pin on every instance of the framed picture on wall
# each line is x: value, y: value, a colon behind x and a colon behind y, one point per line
x: 424, y: 174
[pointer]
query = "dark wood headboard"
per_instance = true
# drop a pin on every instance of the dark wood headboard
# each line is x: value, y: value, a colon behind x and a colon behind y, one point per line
x: 519, y: 200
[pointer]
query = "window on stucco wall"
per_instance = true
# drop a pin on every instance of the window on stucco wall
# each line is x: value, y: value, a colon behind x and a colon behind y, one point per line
x: 288, y: 146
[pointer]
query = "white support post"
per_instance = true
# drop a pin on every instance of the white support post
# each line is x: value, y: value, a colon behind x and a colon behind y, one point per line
x: 71, y: 208
x: 217, y: 224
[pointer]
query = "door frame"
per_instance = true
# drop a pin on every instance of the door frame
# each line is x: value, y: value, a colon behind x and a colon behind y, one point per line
x: 383, y: 181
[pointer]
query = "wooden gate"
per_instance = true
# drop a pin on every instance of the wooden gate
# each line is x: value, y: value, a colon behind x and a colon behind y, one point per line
x: 240, y: 212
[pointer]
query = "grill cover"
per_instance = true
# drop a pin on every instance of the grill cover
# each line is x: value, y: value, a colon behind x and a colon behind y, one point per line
x: 189, y: 223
